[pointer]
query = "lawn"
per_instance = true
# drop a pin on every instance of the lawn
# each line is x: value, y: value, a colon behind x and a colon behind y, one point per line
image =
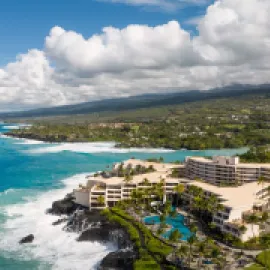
x: 263, y: 259
x: 255, y: 267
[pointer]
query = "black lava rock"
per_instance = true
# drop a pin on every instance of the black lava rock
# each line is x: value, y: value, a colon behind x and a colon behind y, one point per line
x: 27, y: 239
x: 119, y: 260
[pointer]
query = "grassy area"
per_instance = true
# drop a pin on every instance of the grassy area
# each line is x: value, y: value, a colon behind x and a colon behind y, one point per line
x: 263, y: 261
x: 255, y: 267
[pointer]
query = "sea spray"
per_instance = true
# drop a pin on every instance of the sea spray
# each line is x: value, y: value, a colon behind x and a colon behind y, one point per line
x: 100, y: 147
x: 52, y: 245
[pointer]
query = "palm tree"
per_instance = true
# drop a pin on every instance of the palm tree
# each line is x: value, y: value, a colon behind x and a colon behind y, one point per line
x: 162, y: 218
x: 128, y: 178
x: 175, y: 235
x: 146, y: 182
x: 201, y: 250
x: 179, y: 189
x: 261, y: 180
x: 252, y: 219
x: 264, y: 218
x: 193, y: 228
x: 101, y: 200
x: 242, y: 229
x: 194, y: 191
x: 191, y: 240
x: 183, y: 251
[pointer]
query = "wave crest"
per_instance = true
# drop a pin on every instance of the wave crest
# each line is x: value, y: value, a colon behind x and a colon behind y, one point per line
x: 97, y: 147
x: 52, y: 246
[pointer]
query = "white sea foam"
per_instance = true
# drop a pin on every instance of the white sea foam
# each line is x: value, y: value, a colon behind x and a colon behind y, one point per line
x: 30, y: 142
x: 11, y: 127
x: 97, y: 147
x: 16, y: 126
x: 7, y: 191
x: 51, y: 245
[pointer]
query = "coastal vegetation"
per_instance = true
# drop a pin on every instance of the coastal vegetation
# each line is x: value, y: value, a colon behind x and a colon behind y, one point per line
x: 172, y: 252
x: 257, y: 154
x: 152, y: 251
x: 217, y: 123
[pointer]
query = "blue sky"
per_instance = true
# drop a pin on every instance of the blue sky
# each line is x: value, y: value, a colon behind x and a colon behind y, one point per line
x: 25, y: 23
x: 57, y: 52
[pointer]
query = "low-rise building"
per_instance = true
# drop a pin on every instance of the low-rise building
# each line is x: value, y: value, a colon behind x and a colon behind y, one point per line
x: 114, y: 189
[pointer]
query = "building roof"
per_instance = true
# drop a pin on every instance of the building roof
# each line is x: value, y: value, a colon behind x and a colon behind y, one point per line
x: 239, y: 165
x: 160, y: 167
x: 153, y: 177
x: 236, y: 197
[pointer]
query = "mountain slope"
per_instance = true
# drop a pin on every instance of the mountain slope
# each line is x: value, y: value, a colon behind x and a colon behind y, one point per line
x: 143, y: 101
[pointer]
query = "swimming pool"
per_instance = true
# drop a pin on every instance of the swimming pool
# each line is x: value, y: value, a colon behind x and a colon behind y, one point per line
x: 176, y: 223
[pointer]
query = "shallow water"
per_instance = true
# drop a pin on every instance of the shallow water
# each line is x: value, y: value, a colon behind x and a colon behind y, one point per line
x: 32, y: 175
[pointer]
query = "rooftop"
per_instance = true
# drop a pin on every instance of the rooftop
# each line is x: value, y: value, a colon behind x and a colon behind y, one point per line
x: 160, y: 167
x: 153, y: 177
x: 236, y: 197
x: 239, y: 164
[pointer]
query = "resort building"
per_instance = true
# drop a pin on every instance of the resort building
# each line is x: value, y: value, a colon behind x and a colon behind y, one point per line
x: 114, y: 189
x: 233, y: 183
x: 237, y: 202
x: 225, y: 170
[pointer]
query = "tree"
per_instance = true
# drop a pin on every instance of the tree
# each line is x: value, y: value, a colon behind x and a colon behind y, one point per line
x: 183, y: 250
x: 173, y: 213
x: 193, y: 228
x: 201, y: 250
x: 252, y: 219
x: 179, y: 190
x: 261, y: 180
x: 191, y: 240
x: 242, y: 229
x: 101, y: 200
x: 175, y: 235
x: 265, y: 242
x: 215, y: 252
x: 162, y: 218
x: 128, y: 178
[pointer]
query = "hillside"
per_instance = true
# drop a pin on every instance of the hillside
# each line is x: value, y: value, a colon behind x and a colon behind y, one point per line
x: 138, y: 102
x: 227, y: 122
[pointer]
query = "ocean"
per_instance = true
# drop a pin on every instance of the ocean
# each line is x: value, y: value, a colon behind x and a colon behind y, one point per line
x: 32, y: 175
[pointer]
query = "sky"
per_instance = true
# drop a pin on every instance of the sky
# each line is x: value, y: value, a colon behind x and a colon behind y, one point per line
x: 57, y: 52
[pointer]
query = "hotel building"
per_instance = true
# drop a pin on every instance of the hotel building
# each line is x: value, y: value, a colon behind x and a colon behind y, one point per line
x: 238, y: 201
x: 114, y: 189
x: 225, y: 170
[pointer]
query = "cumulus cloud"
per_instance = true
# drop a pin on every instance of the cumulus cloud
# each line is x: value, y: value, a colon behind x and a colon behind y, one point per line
x: 233, y: 46
x: 118, y: 50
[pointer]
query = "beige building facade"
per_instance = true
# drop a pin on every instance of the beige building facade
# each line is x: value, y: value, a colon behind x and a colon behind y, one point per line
x: 225, y: 170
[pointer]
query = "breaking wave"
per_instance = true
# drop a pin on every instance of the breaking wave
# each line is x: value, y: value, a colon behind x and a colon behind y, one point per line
x: 53, y: 247
x: 97, y: 147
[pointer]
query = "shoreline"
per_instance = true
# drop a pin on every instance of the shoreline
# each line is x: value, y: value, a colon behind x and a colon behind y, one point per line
x: 116, y: 144
x: 93, y: 226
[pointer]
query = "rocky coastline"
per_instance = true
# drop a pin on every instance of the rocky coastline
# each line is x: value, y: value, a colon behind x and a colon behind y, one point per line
x: 95, y: 227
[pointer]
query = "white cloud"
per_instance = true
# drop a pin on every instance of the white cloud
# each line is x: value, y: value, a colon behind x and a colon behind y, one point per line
x: 194, y: 20
x: 233, y: 46
x: 165, y: 5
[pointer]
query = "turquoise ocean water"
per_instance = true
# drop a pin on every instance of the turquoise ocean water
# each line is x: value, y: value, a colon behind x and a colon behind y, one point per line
x: 32, y: 175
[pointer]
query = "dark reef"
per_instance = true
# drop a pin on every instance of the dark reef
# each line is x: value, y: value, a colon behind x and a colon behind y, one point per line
x: 27, y: 239
x: 93, y: 226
